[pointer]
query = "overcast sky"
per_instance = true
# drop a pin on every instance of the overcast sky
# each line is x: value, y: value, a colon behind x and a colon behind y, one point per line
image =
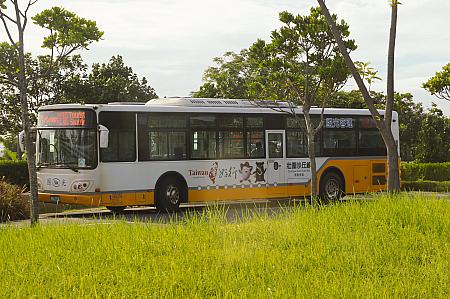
x: 171, y: 42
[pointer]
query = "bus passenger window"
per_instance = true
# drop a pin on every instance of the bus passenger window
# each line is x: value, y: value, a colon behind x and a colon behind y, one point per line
x: 255, y: 144
x: 339, y: 143
x: 203, y: 144
x: 254, y: 130
x: 203, y: 136
x: 122, y: 136
x: 162, y: 136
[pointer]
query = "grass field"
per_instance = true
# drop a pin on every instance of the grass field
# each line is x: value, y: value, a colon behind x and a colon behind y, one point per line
x: 388, y: 247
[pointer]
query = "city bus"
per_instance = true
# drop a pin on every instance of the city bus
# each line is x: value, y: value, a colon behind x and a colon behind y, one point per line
x: 172, y: 151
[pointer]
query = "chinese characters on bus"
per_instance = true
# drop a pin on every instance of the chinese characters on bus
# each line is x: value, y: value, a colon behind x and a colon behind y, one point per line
x: 338, y: 123
x: 63, y: 119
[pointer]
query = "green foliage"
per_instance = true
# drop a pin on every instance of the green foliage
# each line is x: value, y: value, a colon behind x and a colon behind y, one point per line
x: 367, y: 72
x: 10, y: 111
x: 62, y: 77
x: 9, y: 155
x: 434, y: 137
x: 68, y: 32
x: 14, y: 172
x: 12, y: 205
x: 428, y: 186
x: 439, y: 84
x: 425, y: 171
x: 47, y: 75
x: 386, y: 247
x: 424, y: 135
x: 10, y: 142
x: 111, y: 82
x: 226, y: 80
x: 302, y: 50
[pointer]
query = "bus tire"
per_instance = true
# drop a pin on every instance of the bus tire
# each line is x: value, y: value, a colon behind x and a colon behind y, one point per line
x: 116, y: 209
x: 169, y: 195
x: 331, y: 188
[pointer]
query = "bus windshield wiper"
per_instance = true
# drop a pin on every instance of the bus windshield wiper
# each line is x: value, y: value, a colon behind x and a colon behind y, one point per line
x: 71, y: 167
x: 42, y: 164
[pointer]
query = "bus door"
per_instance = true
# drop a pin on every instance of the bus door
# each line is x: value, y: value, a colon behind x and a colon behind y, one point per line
x: 276, y: 162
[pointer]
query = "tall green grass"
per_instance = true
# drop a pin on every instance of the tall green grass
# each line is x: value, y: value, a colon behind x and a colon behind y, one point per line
x: 387, y: 247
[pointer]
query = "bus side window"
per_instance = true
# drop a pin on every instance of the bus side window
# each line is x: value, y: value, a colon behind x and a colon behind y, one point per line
x: 122, y: 136
x: 162, y: 136
x: 254, y: 129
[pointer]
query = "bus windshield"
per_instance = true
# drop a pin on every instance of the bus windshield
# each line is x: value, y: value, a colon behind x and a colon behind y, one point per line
x: 66, y: 148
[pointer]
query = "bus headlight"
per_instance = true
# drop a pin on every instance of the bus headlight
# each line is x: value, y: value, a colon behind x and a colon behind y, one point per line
x: 79, y: 186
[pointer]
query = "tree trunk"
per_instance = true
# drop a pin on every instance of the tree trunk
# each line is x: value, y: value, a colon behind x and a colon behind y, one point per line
x: 311, y: 152
x: 383, y: 125
x: 392, y: 152
x: 31, y: 161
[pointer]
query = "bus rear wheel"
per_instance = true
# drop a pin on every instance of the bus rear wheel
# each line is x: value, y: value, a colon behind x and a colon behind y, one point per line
x: 169, y: 195
x: 331, y: 188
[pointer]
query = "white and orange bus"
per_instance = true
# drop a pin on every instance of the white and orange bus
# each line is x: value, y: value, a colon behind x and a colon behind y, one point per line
x: 171, y: 151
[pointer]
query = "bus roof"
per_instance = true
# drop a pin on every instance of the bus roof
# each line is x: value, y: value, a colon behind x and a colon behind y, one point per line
x: 213, y: 105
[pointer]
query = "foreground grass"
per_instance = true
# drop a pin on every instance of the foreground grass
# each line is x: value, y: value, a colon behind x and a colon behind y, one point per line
x: 382, y: 248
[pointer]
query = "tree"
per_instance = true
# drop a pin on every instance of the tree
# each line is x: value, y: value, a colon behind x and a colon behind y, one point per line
x: 434, y: 137
x: 302, y: 65
x: 18, y: 79
x: 439, y: 84
x: 67, y: 34
x: 45, y: 87
x: 383, y: 122
x: 228, y: 80
x: 410, y: 115
x: 112, y: 82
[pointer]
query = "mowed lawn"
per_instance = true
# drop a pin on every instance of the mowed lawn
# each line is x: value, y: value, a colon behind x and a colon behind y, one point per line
x: 379, y: 248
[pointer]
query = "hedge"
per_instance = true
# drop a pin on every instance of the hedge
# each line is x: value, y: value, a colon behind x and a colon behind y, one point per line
x: 433, y: 186
x: 425, y: 171
x: 14, y: 172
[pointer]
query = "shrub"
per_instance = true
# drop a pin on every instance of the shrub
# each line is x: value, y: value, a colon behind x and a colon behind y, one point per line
x: 13, y: 206
x: 14, y: 172
x: 425, y: 171
x: 433, y: 186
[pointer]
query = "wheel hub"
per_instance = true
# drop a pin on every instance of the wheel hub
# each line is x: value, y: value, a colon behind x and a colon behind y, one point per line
x: 173, y: 194
x: 332, y: 189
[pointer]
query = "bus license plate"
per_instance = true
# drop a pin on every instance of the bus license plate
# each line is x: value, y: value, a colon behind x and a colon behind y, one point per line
x: 54, y: 198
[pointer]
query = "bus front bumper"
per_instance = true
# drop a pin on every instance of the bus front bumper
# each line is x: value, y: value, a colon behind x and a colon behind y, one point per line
x: 99, y: 199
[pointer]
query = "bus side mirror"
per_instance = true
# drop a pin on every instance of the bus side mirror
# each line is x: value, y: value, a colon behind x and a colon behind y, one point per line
x: 104, y: 134
x: 21, y: 141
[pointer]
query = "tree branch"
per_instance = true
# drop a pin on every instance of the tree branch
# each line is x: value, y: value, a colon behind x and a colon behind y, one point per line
x: 13, y: 43
x: 8, y: 17
x: 362, y: 87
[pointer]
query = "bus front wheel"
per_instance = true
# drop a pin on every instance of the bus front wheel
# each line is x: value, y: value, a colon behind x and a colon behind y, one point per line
x: 169, y: 195
x: 331, y: 187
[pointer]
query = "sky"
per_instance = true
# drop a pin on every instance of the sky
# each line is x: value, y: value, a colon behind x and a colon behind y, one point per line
x: 172, y: 42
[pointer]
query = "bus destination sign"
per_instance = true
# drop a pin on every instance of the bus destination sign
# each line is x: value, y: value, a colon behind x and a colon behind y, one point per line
x: 339, y: 123
x: 65, y: 118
